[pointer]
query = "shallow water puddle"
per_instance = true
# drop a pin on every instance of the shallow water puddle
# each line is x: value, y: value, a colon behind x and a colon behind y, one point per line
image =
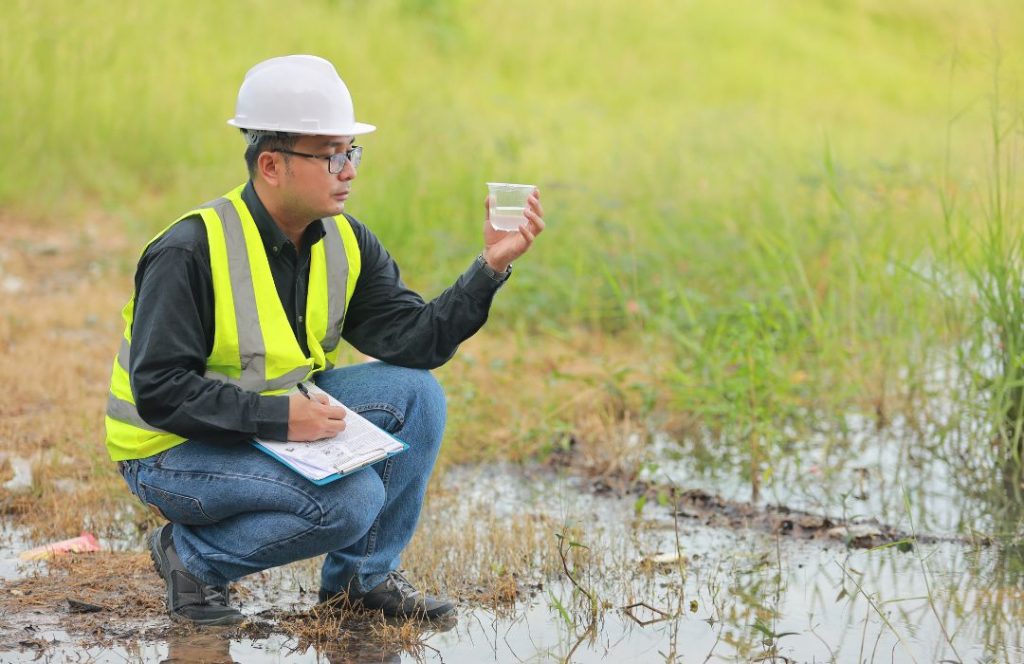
x: 853, y: 472
x: 698, y: 593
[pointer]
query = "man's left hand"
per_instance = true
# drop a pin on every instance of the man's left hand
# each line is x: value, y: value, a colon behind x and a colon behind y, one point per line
x: 503, y: 247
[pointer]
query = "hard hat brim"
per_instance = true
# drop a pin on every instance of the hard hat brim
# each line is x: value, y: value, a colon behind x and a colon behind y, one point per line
x: 356, y: 129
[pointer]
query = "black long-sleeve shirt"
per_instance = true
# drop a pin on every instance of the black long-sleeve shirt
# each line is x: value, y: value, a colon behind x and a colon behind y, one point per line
x: 173, y: 325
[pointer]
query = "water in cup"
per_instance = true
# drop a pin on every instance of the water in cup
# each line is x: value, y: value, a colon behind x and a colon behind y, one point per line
x: 507, y: 202
x: 507, y: 217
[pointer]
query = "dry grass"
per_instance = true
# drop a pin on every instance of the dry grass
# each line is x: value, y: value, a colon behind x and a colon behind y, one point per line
x: 344, y: 635
x: 130, y: 604
x: 125, y: 591
x: 61, y: 292
x: 340, y: 630
x: 519, y: 396
x: 462, y: 546
x: 134, y: 593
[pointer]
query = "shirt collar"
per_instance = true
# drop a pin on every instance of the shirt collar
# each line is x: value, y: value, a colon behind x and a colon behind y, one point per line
x: 274, y: 239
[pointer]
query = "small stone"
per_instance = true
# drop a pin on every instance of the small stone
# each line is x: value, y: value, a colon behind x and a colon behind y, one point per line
x: 75, y: 606
x: 671, y: 558
x: 855, y: 531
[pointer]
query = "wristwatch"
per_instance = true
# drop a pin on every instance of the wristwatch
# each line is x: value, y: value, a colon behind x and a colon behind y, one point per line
x: 500, y: 277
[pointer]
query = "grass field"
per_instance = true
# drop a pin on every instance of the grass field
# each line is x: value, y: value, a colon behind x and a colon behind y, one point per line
x: 757, y: 194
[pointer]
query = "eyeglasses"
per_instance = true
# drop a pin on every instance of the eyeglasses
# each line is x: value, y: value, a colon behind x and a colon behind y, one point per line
x: 335, y: 162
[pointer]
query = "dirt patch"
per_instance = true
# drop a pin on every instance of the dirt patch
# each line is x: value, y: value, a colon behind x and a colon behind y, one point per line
x: 102, y: 597
x: 101, y: 600
x: 699, y: 506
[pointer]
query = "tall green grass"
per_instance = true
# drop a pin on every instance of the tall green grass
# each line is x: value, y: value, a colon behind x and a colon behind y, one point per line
x: 754, y: 181
x: 986, y: 297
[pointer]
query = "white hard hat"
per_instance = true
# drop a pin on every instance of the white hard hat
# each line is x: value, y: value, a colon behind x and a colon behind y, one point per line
x: 297, y: 94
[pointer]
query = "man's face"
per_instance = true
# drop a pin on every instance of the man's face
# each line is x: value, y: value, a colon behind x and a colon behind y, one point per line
x: 309, y: 187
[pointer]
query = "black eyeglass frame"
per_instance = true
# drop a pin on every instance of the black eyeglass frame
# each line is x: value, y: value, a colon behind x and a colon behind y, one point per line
x: 336, y: 161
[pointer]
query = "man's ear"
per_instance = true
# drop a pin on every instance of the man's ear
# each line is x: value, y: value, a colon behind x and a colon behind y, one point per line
x: 269, y: 167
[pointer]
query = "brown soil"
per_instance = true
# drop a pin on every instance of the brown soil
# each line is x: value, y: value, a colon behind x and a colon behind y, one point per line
x: 103, y: 596
x: 107, y: 598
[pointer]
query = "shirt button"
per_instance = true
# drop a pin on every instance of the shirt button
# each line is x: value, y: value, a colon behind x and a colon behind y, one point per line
x: 300, y: 319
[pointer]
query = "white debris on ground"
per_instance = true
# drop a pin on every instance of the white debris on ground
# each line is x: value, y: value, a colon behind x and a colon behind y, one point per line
x: 22, y: 469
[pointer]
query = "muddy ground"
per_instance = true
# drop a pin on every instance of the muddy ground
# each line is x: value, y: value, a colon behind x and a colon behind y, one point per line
x: 113, y: 600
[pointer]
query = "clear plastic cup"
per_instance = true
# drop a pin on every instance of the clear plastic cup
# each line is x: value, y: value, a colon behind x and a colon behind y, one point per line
x: 507, y: 203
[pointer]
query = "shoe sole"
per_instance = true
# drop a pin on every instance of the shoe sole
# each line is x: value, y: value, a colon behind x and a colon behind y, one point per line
x: 160, y: 564
x: 419, y: 614
x: 340, y: 605
x: 226, y: 621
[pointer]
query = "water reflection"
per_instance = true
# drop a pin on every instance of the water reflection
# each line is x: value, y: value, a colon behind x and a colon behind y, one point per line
x: 724, y: 596
x: 924, y: 477
x: 363, y: 654
x: 198, y: 649
x: 219, y: 647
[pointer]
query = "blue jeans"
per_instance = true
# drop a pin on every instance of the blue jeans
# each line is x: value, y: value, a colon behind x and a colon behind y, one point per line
x: 237, y: 511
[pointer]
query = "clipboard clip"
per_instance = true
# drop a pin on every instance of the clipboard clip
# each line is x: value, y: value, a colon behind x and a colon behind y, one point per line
x: 369, y: 458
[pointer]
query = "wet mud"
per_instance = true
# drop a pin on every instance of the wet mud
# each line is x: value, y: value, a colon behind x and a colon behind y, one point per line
x: 113, y: 602
x: 715, y: 511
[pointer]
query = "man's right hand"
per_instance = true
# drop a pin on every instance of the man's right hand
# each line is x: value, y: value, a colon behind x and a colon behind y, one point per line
x: 313, y: 418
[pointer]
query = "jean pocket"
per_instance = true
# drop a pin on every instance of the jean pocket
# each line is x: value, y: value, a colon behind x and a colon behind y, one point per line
x: 128, y: 472
x: 176, y: 507
x: 157, y: 460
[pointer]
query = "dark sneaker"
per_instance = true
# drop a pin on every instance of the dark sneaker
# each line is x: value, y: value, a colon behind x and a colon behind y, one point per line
x: 395, y: 597
x: 188, y: 598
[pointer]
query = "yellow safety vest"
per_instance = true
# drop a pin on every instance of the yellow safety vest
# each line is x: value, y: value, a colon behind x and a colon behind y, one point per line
x: 254, y: 346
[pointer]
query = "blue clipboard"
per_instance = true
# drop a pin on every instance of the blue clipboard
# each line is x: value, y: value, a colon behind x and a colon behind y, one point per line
x: 363, y: 463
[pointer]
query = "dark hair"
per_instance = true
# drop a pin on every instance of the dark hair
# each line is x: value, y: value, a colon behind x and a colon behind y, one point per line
x: 266, y: 142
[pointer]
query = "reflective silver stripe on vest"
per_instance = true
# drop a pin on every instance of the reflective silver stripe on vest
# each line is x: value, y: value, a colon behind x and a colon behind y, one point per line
x: 282, y: 382
x: 124, y: 354
x: 337, y: 283
x: 122, y: 411
x: 253, y: 354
